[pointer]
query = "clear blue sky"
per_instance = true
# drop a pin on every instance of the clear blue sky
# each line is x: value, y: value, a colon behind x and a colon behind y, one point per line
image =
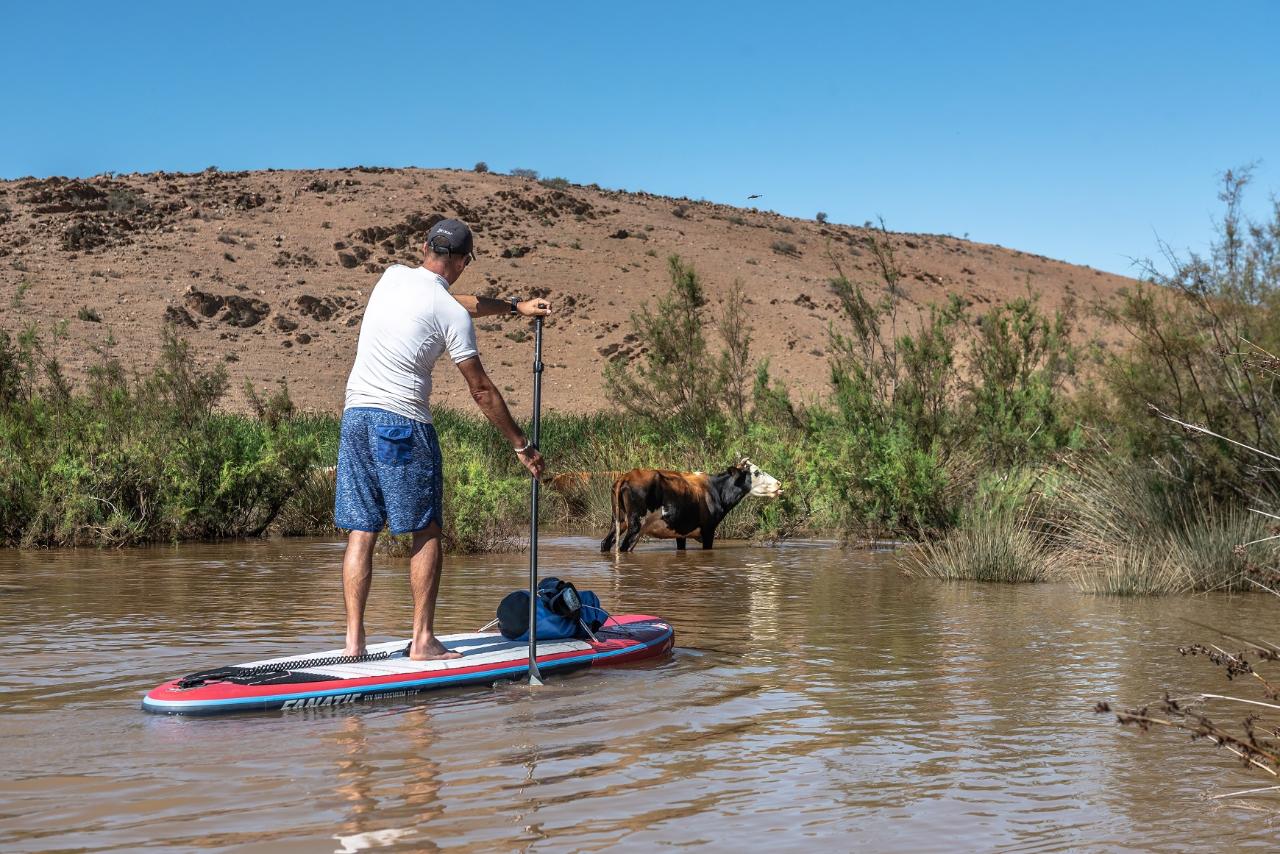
x: 1076, y: 130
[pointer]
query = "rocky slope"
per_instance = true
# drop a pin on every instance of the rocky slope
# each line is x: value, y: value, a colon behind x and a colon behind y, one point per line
x: 269, y: 271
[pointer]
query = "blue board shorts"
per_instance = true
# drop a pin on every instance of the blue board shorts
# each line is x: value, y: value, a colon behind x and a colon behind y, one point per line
x: 389, y: 473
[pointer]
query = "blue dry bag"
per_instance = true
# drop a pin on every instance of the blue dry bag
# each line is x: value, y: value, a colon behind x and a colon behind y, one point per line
x: 561, y: 611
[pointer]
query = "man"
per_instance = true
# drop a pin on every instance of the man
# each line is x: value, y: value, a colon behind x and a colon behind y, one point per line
x: 389, y: 467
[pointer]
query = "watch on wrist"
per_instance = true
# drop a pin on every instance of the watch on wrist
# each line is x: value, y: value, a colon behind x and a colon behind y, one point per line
x: 515, y: 306
x: 528, y: 446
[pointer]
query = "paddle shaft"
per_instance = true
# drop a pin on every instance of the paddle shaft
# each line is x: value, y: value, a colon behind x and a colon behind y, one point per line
x: 535, y: 678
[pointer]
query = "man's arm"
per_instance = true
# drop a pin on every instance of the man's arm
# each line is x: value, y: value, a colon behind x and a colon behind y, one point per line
x: 488, y: 307
x: 491, y: 403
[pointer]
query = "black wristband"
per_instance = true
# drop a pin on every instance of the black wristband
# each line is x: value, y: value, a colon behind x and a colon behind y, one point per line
x: 515, y: 306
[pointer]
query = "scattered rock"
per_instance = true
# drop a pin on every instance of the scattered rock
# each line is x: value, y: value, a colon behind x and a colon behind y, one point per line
x: 248, y: 201
x: 178, y: 316
x: 289, y: 259
x: 73, y: 196
x: 283, y: 324
x: 302, y: 338
x: 413, y: 230
x: 83, y: 236
x: 203, y: 304
x: 323, y: 308
x: 244, y: 311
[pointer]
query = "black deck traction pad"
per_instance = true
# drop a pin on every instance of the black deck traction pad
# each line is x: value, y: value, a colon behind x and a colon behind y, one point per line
x: 282, y: 672
x: 295, y: 671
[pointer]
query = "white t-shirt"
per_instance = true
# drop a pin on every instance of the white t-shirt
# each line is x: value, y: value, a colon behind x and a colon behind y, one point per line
x: 409, y: 321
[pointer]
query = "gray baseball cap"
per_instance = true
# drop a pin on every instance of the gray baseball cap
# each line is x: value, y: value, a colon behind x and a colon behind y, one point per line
x: 451, y: 237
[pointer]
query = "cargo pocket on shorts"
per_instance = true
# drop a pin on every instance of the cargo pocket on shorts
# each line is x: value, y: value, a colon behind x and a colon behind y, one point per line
x: 393, y: 444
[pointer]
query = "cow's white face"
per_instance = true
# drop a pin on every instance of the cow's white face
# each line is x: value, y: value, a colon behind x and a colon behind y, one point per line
x: 763, y: 485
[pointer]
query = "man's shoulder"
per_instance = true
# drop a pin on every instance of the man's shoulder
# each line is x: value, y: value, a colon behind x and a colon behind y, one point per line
x: 401, y: 284
x: 450, y: 310
x: 400, y: 272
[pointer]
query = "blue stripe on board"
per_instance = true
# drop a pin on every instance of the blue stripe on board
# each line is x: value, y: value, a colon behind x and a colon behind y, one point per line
x: 373, y: 690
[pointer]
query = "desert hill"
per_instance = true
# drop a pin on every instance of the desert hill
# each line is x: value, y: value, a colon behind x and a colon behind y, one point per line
x: 269, y: 271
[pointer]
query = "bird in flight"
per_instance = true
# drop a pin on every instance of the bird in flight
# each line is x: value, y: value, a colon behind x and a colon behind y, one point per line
x: 753, y: 196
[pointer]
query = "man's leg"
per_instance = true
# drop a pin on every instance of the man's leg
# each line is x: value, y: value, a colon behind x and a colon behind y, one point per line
x: 425, y: 564
x: 357, y: 576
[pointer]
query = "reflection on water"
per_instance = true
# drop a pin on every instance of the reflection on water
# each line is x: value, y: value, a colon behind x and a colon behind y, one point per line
x: 818, y: 699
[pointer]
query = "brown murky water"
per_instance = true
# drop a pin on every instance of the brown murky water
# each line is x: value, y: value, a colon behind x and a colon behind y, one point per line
x: 818, y: 700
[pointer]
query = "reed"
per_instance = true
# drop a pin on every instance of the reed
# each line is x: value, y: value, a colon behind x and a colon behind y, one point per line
x: 1124, y: 529
x: 1000, y: 548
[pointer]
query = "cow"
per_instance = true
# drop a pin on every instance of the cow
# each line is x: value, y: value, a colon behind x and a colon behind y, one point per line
x: 677, y: 505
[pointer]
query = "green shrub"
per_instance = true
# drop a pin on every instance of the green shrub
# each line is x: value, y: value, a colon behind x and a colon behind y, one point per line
x: 1188, y: 329
x: 483, y: 512
x: 1021, y: 361
x: 678, y: 378
x: 131, y: 461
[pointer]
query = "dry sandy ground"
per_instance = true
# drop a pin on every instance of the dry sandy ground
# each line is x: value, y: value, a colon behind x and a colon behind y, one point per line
x: 269, y: 271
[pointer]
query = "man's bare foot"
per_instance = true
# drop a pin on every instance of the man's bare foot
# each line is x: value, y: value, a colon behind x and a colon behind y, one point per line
x: 432, y: 650
x: 355, y: 646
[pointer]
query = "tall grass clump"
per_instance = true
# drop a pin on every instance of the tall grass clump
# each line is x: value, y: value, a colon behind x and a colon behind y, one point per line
x: 1001, y: 548
x: 1124, y: 528
x: 309, y: 510
x: 998, y: 537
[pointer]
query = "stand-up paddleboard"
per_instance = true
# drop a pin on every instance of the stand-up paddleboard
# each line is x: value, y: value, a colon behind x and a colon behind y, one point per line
x: 331, y: 679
